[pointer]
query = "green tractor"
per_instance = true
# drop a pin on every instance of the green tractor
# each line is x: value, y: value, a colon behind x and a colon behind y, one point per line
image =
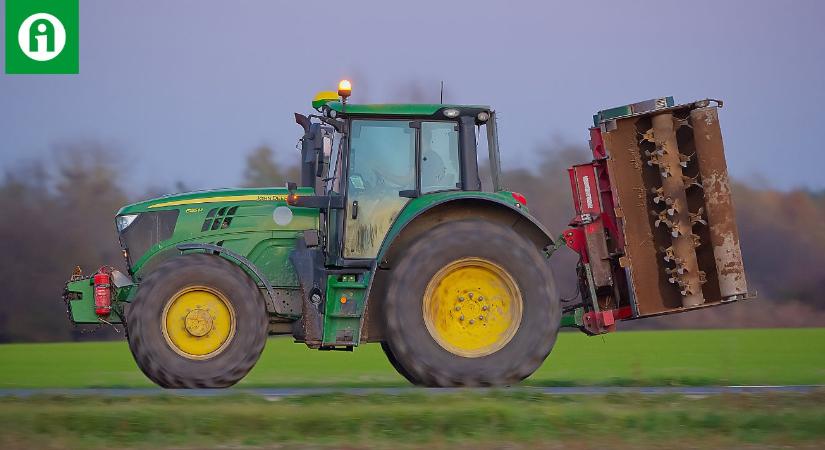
x: 389, y: 238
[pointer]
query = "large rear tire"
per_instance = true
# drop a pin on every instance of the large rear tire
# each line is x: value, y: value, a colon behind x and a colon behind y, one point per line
x: 471, y: 303
x: 197, y: 321
x: 398, y: 367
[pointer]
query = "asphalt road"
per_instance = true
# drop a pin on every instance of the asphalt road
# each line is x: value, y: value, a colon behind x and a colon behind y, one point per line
x: 274, y: 393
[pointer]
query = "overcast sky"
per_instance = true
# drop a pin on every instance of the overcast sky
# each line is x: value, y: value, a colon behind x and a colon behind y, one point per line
x: 185, y: 89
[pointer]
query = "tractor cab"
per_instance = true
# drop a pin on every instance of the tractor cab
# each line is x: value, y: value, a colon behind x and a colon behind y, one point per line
x: 365, y: 163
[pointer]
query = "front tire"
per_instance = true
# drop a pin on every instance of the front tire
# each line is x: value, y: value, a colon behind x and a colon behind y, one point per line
x: 471, y: 303
x: 197, y: 321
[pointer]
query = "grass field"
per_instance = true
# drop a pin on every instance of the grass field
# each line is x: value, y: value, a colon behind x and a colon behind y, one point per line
x: 467, y: 420
x: 710, y: 357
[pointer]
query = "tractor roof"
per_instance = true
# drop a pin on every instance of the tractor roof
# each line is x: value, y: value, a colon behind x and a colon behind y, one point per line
x: 404, y: 109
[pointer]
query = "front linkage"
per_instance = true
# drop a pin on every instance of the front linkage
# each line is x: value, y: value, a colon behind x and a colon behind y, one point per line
x: 98, y: 298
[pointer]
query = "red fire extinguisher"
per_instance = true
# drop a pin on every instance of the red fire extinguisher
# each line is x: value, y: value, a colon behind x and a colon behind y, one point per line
x: 103, y: 291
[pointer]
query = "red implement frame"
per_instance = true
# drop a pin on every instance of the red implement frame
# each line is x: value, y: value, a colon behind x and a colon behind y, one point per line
x: 654, y: 227
x: 596, y: 237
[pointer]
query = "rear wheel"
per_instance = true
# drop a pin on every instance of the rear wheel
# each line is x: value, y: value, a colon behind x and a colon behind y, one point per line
x: 394, y: 361
x: 471, y: 303
x: 197, y: 321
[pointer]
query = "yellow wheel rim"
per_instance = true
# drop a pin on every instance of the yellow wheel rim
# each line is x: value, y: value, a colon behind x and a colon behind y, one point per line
x: 472, y: 307
x: 198, y: 322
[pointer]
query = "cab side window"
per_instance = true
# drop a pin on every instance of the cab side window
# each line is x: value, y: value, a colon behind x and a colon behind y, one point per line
x: 439, y: 157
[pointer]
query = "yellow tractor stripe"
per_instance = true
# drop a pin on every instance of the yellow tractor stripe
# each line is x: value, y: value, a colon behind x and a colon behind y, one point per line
x: 227, y: 198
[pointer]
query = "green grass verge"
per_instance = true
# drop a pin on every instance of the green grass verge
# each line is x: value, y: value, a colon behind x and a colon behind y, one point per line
x: 706, y: 357
x: 469, y: 419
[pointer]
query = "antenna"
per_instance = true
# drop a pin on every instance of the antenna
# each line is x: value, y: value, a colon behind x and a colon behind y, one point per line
x: 442, y: 92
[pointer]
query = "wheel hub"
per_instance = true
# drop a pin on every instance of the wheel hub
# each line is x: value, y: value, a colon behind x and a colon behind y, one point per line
x: 472, y: 307
x: 198, y: 322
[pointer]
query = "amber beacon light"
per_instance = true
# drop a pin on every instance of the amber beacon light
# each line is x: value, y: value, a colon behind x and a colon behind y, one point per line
x: 344, y: 88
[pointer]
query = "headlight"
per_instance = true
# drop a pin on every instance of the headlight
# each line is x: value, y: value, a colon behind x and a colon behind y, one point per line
x: 124, y: 221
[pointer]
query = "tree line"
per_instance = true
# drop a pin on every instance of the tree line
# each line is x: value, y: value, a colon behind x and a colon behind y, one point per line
x: 60, y: 213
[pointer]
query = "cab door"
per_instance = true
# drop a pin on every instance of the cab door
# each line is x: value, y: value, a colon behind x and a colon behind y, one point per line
x: 381, y: 168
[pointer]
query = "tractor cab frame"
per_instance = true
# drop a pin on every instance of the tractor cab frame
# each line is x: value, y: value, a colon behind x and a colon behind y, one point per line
x: 411, y: 150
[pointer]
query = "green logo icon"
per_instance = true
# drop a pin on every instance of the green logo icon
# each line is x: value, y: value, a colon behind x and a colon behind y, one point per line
x: 41, y: 36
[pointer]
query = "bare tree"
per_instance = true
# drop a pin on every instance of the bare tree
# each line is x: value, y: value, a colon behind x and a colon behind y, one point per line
x: 262, y: 171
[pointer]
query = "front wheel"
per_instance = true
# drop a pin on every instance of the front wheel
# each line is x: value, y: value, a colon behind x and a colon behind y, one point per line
x: 471, y: 303
x: 197, y: 321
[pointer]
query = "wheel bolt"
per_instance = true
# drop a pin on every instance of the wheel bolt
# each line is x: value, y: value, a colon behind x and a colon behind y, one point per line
x: 470, y: 294
x: 461, y: 317
x: 480, y: 298
x: 458, y: 308
x: 461, y: 299
x: 480, y: 317
x: 484, y: 308
x: 472, y: 321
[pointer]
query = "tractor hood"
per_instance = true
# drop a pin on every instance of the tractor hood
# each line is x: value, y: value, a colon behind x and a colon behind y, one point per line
x: 204, y: 198
x: 148, y: 228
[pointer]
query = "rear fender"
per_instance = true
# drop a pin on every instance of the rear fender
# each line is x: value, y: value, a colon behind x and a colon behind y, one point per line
x: 486, y: 206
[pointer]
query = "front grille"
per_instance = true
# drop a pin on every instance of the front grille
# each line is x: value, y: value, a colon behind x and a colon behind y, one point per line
x: 148, y: 229
x: 219, y: 218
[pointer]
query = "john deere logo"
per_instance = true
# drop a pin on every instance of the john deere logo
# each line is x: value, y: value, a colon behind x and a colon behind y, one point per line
x: 41, y: 36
